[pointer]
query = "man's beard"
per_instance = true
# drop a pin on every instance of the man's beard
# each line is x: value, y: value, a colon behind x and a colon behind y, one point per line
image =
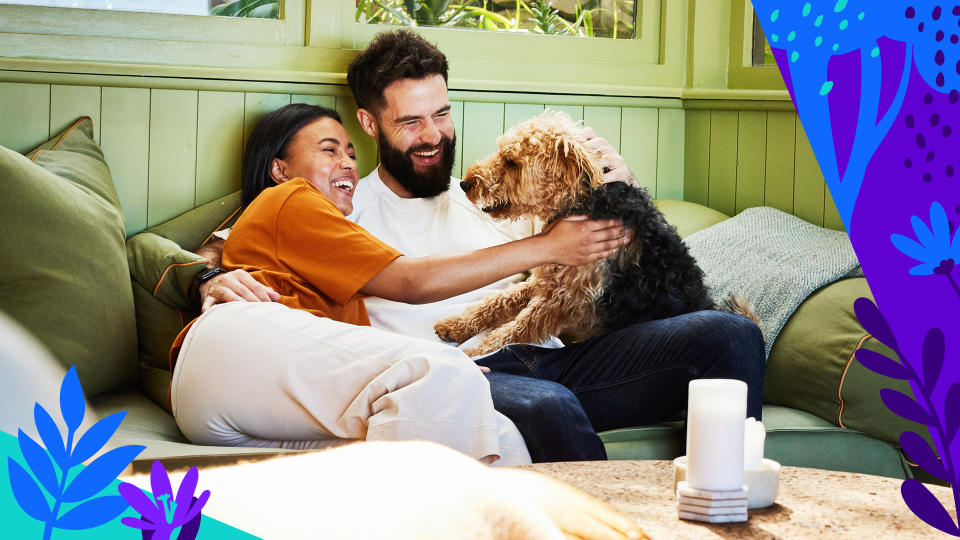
x: 430, y: 183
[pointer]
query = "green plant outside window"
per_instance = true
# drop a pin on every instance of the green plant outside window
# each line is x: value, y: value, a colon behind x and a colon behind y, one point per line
x: 588, y: 18
x: 262, y: 9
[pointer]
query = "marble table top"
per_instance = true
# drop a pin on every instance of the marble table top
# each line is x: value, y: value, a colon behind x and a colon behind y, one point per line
x: 812, y: 503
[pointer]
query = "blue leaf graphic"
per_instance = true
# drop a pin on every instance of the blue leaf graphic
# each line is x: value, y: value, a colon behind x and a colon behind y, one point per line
x: 27, y: 493
x: 872, y: 321
x: 933, y: 349
x: 92, y: 513
x: 952, y: 408
x: 927, y: 507
x: 96, y: 437
x: 50, y: 435
x: 100, y: 473
x: 72, y: 405
x: 920, y: 452
x: 879, y: 363
x: 39, y: 463
x: 904, y: 405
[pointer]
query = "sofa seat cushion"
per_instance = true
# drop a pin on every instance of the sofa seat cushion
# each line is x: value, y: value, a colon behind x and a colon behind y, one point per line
x: 794, y: 438
x: 689, y: 217
x: 63, y: 269
x: 148, y: 424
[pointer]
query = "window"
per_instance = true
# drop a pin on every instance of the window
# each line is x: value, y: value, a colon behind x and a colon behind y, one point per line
x: 262, y: 9
x: 762, y: 55
x: 751, y: 65
x: 587, y: 18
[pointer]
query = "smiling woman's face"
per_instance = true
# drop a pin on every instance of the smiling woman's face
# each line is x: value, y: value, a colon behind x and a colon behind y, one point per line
x: 321, y: 153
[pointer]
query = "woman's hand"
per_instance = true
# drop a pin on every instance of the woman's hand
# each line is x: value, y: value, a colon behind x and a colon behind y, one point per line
x: 575, y: 240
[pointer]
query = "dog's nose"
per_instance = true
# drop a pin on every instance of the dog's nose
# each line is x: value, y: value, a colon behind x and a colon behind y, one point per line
x: 465, y: 186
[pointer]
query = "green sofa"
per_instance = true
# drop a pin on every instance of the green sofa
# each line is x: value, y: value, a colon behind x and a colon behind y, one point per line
x: 112, y: 305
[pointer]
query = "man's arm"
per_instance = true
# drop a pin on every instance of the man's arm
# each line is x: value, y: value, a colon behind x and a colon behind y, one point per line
x: 235, y: 286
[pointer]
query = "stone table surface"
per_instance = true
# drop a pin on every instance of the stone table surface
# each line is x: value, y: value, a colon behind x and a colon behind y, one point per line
x: 812, y: 503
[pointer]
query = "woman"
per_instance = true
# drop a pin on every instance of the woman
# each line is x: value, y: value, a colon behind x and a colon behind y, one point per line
x: 261, y: 374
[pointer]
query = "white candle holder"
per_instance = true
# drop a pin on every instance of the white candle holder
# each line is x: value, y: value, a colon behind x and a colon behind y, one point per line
x: 763, y: 484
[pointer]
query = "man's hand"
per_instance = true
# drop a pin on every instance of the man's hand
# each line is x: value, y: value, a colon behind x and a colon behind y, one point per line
x: 614, y: 167
x: 235, y: 286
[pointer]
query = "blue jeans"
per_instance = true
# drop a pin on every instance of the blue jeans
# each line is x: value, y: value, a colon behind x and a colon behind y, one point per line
x: 631, y: 377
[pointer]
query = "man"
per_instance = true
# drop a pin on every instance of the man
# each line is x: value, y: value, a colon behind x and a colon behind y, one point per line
x: 558, y: 397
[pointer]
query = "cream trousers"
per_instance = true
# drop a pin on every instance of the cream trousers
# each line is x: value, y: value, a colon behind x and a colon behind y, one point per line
x: 262, y: 374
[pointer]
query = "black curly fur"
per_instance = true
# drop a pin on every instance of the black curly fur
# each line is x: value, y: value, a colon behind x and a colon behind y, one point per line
x: 663, y: 281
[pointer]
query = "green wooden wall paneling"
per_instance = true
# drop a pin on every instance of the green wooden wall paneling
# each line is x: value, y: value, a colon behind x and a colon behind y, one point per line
x: 696, y: 157
x: 329, y: 102
x: 780, y: 163
x: 173, y: 150
x: 482, y: 124
x: 456, y: 114
x: 831, y: 217
x: 24, y: 115
x: 575, y: 111
x: 514, y: 113
x: 605, y: 122
x: 809, y: 184
x: 125, y: 139
x: 751, y: 156
x: 670, y: 144
x: 220, y: 118
x: 638, y: 144
x: 68, y: 103
x: 257, y: 104
x: 723, y: 161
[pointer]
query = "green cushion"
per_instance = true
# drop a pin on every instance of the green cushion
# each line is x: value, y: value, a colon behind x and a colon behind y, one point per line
x: 162, y: 273
x: 63, y: 269
x: 689, y: 217
x: 794, y: 438
x: 811, y: 365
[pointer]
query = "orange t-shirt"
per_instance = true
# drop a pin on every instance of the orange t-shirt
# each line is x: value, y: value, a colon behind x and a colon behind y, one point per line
x: 292, y: 238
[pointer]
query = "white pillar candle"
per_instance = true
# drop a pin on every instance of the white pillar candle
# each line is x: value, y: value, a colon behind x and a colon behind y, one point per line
x: 716, y: 410
x: 753, y: 437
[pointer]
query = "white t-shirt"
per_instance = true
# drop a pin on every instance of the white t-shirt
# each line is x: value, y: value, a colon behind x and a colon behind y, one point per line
x: 445, y: 224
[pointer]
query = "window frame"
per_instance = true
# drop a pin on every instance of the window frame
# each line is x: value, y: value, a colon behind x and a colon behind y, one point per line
x: 741, y: 73
x: 288, y: 29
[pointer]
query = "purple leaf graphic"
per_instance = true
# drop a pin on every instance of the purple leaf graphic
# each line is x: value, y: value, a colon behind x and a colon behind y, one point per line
x: 137, y: 499
x: 138, y: 523
x: 904, y: 405
x: 879, y: 363
x: 927, y: 507
x: 952, y: 408
x: 872, y: 321
x: 39, y: 463
x: 920, y: 452
x: 72, y: 405
x: 197, y: 506
x: 933, y: 349
x: 185, y: 494
x: 159, y: 481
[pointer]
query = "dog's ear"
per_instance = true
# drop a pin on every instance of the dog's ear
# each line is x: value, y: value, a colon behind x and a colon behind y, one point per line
x: 578, y: 160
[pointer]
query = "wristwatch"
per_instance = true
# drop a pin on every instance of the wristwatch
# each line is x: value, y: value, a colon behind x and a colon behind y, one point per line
x: 202, y: 278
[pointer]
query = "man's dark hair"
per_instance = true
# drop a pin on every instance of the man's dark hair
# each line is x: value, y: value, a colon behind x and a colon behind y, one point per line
x: 270, y: 139
x: 392, y: 56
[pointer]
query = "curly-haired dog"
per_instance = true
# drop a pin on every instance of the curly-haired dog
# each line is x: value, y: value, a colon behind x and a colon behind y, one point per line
x: 543, y: 169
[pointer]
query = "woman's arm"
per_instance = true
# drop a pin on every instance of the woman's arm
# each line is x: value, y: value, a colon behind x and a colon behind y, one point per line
x: 572, y: 241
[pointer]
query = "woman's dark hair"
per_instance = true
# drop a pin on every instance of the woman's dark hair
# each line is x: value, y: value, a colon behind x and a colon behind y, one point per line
x: 270, y: 139
x: 392, y: 56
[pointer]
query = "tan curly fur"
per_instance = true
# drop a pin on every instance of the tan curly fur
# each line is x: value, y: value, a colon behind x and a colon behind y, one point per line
x: 542, y: 165
x: 542, y: 168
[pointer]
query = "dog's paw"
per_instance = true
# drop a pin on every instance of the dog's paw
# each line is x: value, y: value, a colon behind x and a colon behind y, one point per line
x: 453, y: 329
